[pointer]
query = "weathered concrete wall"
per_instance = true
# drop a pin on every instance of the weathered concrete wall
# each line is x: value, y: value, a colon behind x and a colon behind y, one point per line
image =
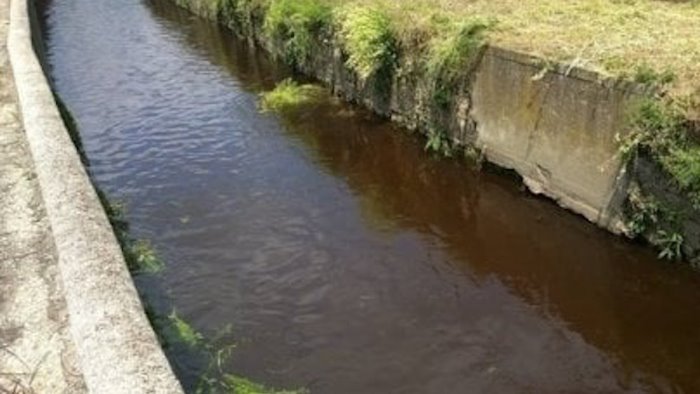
x: 116, y: 348
x: 558, y: 130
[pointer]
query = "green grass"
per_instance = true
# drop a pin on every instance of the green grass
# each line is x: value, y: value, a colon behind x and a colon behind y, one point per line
x: 633, y: 39
x: 367, y: 36
x: 296, y: 23
x: 648, y: 76
x: 450, y: 54
x: 213, y: 352
x: 289, y: 95
x: 684, y: 164
x: 658, y: 126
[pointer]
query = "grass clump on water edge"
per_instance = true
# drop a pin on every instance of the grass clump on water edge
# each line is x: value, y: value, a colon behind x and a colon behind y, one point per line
x: 289, y: 95
x: 296, y: 23
x: 213, y: 354
x: 368, y: 38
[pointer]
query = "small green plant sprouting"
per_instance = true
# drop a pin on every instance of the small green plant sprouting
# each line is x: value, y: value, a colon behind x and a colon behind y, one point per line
x: 450, y: 54
x: 295, y: 23
x: 438, y: 142
x: 144, y: 258
x: 646, y: 214
x: 289, y: 95
x: 368, y: 38
x: 670, y: 244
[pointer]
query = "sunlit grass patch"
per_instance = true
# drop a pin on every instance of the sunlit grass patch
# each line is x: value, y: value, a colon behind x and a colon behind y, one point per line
x: 368, y: 38
x: 296, y: 23
x: 289, y: 95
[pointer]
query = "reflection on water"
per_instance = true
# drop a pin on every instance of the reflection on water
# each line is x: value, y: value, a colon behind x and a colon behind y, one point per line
x: 347, y: 259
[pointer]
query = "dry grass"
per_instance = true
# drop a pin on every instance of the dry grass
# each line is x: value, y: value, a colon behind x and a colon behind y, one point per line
x: 613, y: 37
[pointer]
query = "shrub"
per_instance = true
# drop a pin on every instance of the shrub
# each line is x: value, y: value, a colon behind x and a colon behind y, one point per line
x: 295, y: 23
x: 368, y: 39
x: 658, y: 126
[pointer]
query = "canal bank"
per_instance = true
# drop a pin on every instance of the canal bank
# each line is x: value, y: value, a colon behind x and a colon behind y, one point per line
x: 73, y: 321
x: 569, y: 133
x: 337, y: 247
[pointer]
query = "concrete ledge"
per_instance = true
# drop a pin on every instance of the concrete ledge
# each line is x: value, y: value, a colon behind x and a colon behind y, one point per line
x: 117, y: 349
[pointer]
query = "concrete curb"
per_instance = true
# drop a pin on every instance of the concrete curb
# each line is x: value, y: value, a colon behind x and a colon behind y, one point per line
x: 117, y: 349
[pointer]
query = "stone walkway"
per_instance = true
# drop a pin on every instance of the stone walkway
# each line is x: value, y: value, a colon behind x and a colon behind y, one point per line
x: 36, y: 352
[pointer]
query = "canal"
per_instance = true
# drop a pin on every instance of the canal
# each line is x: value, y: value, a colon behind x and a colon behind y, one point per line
x: 345, y: 257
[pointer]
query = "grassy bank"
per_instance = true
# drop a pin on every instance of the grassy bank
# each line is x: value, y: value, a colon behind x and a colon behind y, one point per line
x: 617, y: 38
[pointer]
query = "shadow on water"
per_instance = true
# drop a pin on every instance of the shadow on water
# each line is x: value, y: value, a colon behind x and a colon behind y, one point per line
x: 349, y: 260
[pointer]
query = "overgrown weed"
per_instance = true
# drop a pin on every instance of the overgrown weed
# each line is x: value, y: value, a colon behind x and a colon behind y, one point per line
x: 368, y: 38
x: 296, y: 24
x: 213, y: 352
x: 289, y: 95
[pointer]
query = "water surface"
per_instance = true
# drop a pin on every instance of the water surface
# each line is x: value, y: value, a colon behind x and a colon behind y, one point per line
x: 347, y: 259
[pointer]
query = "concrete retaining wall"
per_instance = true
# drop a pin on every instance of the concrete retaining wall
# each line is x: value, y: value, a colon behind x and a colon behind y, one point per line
x: 117, y: 349
x: 558, y: 130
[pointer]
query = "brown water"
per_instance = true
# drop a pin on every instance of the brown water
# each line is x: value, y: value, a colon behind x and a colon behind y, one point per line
x: 347, y: 259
